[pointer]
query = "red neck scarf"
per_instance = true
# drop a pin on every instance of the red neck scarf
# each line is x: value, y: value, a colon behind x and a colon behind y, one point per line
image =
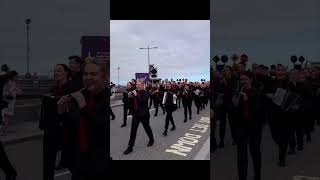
x: 82, y: 132
x: 136, y: 105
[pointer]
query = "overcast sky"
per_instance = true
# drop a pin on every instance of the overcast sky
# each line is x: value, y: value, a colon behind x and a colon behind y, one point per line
x: 184, y: 49
x: 55, y: 30
x: 269, y: 31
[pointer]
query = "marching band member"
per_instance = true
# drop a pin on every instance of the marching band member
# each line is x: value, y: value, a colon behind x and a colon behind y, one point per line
x: 169, y: 101
x: 187, y: 98
x: 141, y: 114
x: 248, y: 125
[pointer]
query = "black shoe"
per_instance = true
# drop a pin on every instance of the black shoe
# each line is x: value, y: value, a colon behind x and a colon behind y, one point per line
x: 156, y: 115
x: 221, y: 145
x: 165, y: 132
x: 185, y: 120
x: 190, y: 117
x: 113, y: 118
x: 59, y: 167
x: 291, y: 152
x: 164, y: 112
x: 300, y: 148
x: 151, y: 142
x: 173, y: 128
x: 123, y: 125
x: 128, y: 150
x: 281, y: 164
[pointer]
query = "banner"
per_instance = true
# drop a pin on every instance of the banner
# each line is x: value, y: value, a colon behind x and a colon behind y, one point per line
x: 142, y: 76
x: 96, y: 48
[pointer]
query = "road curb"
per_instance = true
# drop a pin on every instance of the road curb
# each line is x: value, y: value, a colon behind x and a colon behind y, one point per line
x: 117, y: 105
x: 34, y: 136
x: 23, y: 139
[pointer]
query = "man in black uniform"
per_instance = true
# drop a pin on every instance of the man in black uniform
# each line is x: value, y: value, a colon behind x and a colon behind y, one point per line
x: 170, y: 106
x: 126, y: 103
x: 160, y: 97
x: 248, y: 111
x: 5, y: 164
x: 140, y: 114
x: 155, y: 97
x: 279, y: 123
x: 186, y: 97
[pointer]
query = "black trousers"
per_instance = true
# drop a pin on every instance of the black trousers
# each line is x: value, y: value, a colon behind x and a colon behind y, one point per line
x: 296, y: 133
x: 222, y: 117
x: 249, y: 135
x: 187, y: 106
x: 151, y: 99
x: 197, y: 102
x: 134, y: 127
x: 125, y: 113
x: 51, y: 146
x: 111, y: 112
x: 169, y: 117
x: 156, y: 104
x: 213, y: 141
x: 5, y: 164
x: 179, y: 101
x: 280, y: 132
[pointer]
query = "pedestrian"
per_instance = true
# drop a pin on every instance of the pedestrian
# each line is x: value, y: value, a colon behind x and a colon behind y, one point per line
x: 9, y: 95
x: 52, y: 123
x: 5, y: 164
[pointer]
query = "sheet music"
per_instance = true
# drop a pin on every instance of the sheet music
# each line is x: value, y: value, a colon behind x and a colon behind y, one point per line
x: 279, y: 96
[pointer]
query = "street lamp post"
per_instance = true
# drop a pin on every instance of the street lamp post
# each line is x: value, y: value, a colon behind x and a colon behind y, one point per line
x: 148, y: 48
x: 28, y: 21
x: 118, y: 76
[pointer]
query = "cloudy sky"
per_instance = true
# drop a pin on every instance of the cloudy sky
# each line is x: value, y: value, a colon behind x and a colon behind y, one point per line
x: 269, y: 31
x: 184, y: 49
x: 55, y: 31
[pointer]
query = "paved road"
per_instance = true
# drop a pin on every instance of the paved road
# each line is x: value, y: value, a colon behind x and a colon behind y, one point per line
x: 27, y: 159
x: 303, y: 164
x: 26, y: 155
x: 165, y: 148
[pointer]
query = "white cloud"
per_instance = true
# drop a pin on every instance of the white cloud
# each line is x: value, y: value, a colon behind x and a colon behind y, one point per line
x: 184, y: 48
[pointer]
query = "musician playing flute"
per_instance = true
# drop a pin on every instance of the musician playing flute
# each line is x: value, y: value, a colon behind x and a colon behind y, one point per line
x: 248, y: 125
x: 187, y: 98
x: 141, y: 114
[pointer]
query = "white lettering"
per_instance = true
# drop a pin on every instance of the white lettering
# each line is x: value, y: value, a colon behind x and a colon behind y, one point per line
x: 205, y: 120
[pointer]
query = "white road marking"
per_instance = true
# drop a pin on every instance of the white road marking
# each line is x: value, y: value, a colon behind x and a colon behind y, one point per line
x: 62, y: 174
x: 191, y: 139
x: 305, y: 178
x: 204, y: 151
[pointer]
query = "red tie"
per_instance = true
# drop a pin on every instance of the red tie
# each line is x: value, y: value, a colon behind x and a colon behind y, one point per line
x: 136, y: 102
x: 246, y: 110
x: 82, y: 127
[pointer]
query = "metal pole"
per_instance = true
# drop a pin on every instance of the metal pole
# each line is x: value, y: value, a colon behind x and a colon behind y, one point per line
x: 28, y: 48
x: 118, y: 75
x: 148, y: 62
